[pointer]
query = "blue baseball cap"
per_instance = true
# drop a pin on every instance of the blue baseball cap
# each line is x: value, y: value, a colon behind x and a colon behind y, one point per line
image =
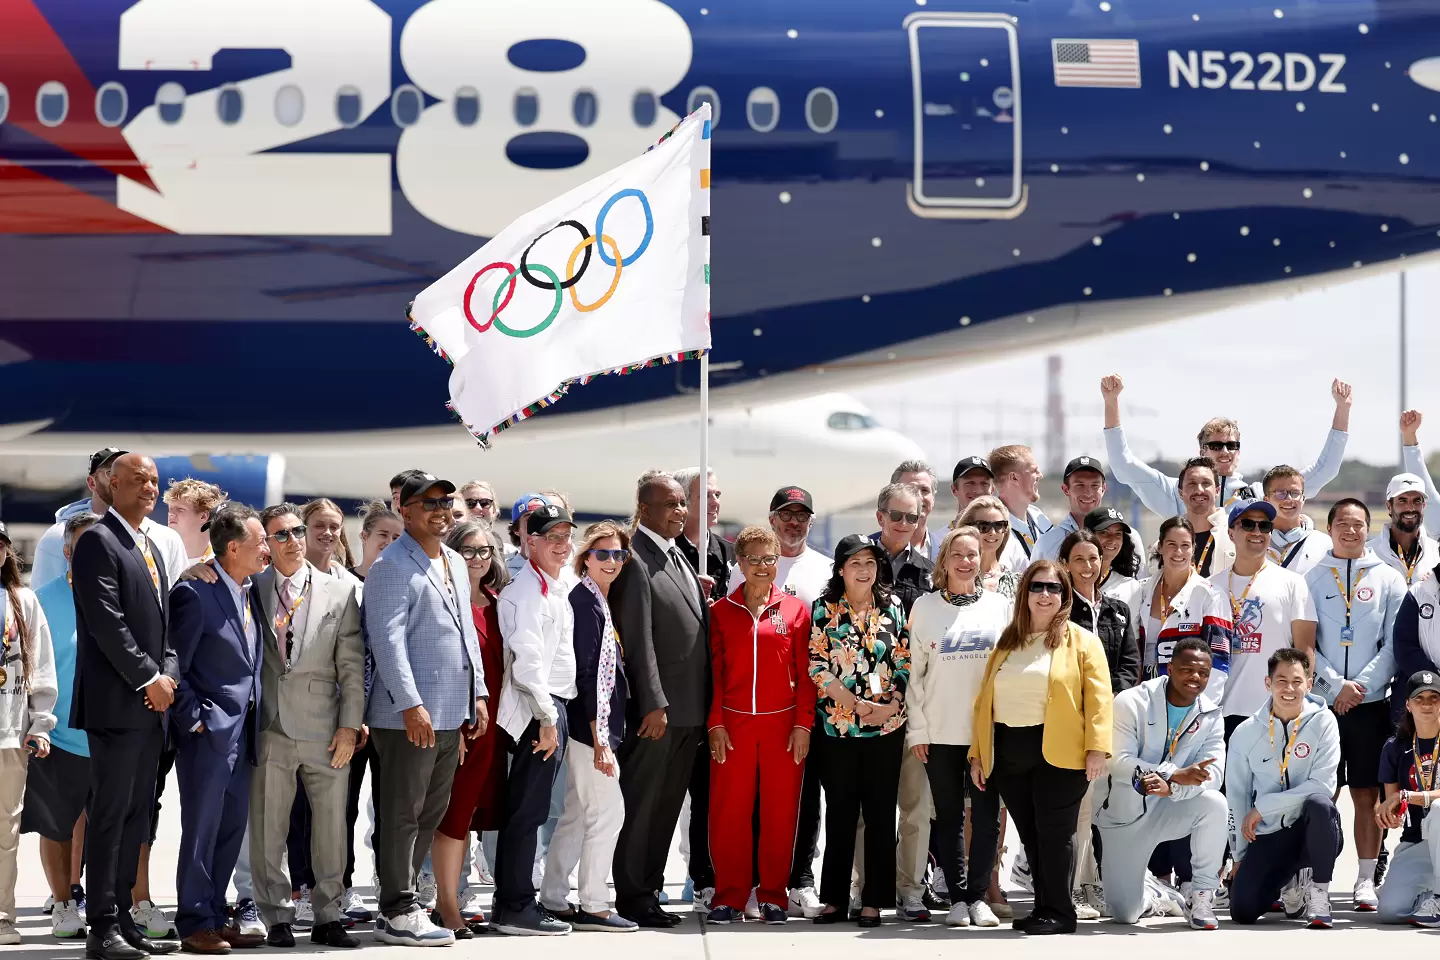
x: 522, y: 505
x: 1240, y: 506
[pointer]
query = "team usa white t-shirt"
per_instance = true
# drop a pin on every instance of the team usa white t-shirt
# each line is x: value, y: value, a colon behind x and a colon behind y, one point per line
x: 1264, y: 607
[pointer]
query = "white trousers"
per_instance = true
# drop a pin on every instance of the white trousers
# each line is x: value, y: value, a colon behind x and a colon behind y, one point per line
x: 586, y: 835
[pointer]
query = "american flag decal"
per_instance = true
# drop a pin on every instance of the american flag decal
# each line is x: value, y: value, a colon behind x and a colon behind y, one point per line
x: 1096, y: 63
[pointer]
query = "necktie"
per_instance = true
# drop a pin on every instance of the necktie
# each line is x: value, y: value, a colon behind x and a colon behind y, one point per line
x: 689, y: 571
x: 150, y: 562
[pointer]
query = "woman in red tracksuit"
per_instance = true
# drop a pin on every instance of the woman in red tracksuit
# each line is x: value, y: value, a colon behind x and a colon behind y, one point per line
x: 760, y: 718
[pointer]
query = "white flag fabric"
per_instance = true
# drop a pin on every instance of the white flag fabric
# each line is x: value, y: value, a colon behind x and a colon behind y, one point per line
x: 611, y: 277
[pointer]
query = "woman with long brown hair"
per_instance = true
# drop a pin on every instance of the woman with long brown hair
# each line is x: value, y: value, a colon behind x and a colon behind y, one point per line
x: 1042, y: 733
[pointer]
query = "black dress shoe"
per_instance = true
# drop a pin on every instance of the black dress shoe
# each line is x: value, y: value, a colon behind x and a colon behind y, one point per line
x: 1046, y: 926
x: 834, y: 916
x: 332, y: 934
x: 1024, y: 923
x: 156, y: 948
x: 654, y: 918
x: 280, y: 935
x: 110, y: 945
x: 868, y: 921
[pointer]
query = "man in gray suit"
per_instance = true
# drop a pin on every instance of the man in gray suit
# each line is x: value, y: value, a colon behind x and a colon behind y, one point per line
x: 429, y: 691
x: 662, y: 617
x: 312, y: 706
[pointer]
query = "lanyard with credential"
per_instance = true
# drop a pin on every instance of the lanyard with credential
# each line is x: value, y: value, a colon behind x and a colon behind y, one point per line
x: 1420, y: 780
x: 282, y: 624
x: 1200, y: 563
x: 1235, y: 605
x: 1175, y: 741
x: 1289, y: 747
x: 1347, y: 634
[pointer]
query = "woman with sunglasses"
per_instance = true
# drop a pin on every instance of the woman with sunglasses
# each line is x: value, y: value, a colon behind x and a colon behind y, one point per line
x: 759, y: 731
x: 379, y: 527
x: 594, y: 805
x: 991, y: 518
x: 860, y: 660
x: 477, y: 792
x: 477, y: 498
x: 1042, y: 734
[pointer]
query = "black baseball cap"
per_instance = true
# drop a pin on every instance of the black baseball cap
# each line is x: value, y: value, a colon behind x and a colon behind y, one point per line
x: 417, y: 483
x: 544, y: 519
x: 4, y: 534
x: 971, y: 463
x: 1420, y: 681
x: 798, y: 496
x: 1102, y: 518
x: 101, y: 458
x: 1083, y: 463
x: 853, y: 544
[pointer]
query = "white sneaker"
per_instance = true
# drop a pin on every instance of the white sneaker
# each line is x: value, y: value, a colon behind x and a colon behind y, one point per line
x: 1317, y: 908
x: 425, y: 890
x: 1083, y: 910
x: 912, y: 907
x: 353, y: 906
x: 702, y: 899
x: 1020, y: 873
x: 304, y: 912
x: 1222, y: 898
x: 247, y: 918
x: 1292, y: 895
x: 413, y: 929
x: 472, y: 908
x: 752, y: 906
x: 1186, y: 889
x: 48, y: 905
x: 959, y: 916
x: 1164, y: 900
x: 65, y: 922
x: 805, y: 902
x: 1364, y: 897
x: 1201, y: 908
x: 1427, y: 910
x: 982, y: 916
x: 1095, y: 896
x: 8, y: 933
x: 152, y: 920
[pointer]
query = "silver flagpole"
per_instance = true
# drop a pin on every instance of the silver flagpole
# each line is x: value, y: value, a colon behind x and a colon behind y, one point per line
x: 703, y: 544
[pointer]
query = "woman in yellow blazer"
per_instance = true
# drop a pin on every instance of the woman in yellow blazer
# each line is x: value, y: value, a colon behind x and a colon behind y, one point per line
x: 1042, y: 733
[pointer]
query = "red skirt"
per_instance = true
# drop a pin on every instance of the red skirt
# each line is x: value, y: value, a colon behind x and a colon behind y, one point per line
x: 478, y: 795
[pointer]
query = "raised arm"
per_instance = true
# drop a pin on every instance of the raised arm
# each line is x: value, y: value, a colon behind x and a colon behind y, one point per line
x: 1327, y: 466
x: 1159, y: 493
x: 1413, y: 461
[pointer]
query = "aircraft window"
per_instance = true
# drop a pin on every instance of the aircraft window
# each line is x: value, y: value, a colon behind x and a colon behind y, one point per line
x: 170, y: 102
x: 467, y: 106
x: 822, y: 111
x: 230, y: 105
x: 4, y: 102
x: 52, y: 103
x: 406, y: 105
x: 347, y: 106
x: 848, y: 420
x: 111, y: 104
x: 644, y: 108
x: 289, y: 105
x: 527, y: 106
x: 585, y: 108
x: 762, y: 109
x: 704, y: 95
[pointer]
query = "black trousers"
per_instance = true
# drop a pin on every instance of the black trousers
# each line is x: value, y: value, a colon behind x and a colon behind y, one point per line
x: 122, y: 801
x: 297, y: 842
x: 1172, y: 855
x: 1044, y: 803
x: 860, y: 775
x: 702, y: 870
x: 1312, y: 841
x: 807, y: 826
x: 527, y: 806
x: 949, y: 773
x: 654, y: 775
x: 362, y: 759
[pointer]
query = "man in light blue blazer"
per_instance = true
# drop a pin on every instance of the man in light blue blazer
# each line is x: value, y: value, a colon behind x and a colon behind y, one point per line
x: 428, y: 691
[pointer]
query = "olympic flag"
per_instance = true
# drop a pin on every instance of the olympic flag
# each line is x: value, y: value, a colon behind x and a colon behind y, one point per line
x: 611, y: 277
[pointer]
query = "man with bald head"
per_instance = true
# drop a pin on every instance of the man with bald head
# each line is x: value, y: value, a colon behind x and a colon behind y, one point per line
x: 662, y: 618
x: 125, y: 678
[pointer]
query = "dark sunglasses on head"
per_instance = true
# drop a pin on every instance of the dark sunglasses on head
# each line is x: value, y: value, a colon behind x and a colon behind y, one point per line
x: 1217, y: 445
x: 604, y: 556
x: 473, y: 502
x: 470, y: 553
x: 900, y: 516
x: 285, y: 536
x: 1247, y: 523
x: 1047, y: 586
x: 992, y: 526
x: 431, y: 504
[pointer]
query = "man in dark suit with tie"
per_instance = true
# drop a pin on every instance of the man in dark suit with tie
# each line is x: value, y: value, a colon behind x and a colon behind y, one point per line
x: 216, y: 629
x: 663, y: 619
x: 125, y: 678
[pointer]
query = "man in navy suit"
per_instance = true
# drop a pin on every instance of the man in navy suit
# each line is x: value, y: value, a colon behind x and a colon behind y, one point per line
x: 125, y: 678
x: 215, y: 628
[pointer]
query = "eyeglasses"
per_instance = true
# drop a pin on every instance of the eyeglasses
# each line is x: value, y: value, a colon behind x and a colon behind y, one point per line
x: 431, y: 504
x: 992, y: 526
x: 1288, y: 494
x: 1247, y: 523
x: 1217, y: 445
x: 793, y: 516
x: 768, y: 561
x: 554, y: 536
x: 471, y: 553
x: 1047, y: 586
x: 900, y: 516
x: 473, y: 502
x: 604, y: 556
x: 285, y: 536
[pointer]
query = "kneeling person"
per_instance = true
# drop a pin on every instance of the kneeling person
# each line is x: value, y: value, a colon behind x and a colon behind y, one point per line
x: 1407, y: 769
x: 1165, y: 786
x: 1280, y: 778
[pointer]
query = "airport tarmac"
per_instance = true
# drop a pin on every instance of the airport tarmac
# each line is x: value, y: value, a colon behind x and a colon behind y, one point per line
x: 1357, y: 934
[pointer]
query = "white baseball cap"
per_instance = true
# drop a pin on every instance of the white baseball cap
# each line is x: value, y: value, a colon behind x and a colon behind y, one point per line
x: 1404, y: 483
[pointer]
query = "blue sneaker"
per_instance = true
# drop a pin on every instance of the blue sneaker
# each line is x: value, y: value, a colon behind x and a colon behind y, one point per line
x: 725, y: 915
x: 662, y: 897
x: 77, y: 893
x: 687, y: 895
x: 597, y: 924
x: 773, y: 914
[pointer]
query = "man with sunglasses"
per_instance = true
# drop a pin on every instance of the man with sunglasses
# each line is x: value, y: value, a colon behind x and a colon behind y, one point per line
x: 428, y: 692
x: 1403, y: 543
x: 898, y: 511
x: 1295, y: 544
x: 478, y: 500
x: 1270, y: 608
x: 312, y: 707
x: 1219, y: 440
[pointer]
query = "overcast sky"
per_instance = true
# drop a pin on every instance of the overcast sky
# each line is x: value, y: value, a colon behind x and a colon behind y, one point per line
x: 1268, y: 365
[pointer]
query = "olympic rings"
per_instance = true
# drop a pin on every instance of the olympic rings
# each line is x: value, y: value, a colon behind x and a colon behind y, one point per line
x: 585, y: 245
x: 598, y: 239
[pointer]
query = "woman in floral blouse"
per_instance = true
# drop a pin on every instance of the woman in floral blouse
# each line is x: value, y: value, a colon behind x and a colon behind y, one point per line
x: 860, y: 660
